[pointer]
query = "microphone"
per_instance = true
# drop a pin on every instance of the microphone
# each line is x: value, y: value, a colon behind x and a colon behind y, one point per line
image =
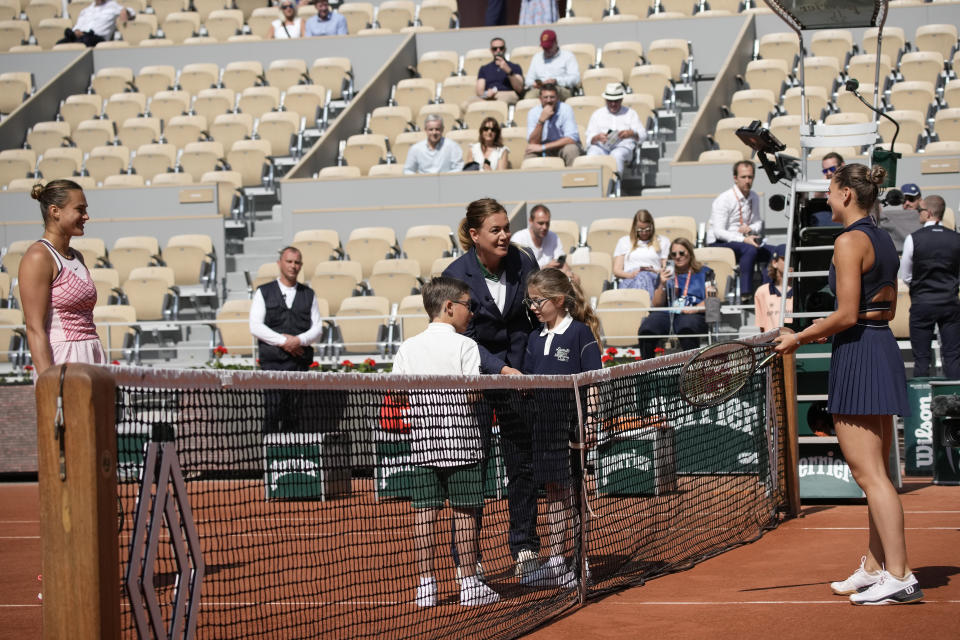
x: 777, y: 202
x: 851, y: 85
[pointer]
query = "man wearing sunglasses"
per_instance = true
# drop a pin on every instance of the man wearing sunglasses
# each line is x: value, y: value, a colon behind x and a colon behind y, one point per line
x: 912, y: 198
x: 326, y: 22
x: 735, y: 223
x: 500, y: 79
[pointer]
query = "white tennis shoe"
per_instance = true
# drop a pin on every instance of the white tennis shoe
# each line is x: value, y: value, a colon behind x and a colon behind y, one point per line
x: 527, y: 561
x: 427, y: 592
x: 552, y: 573
x: 860, y: 579
x: 474, y: 593
x: 889, y: 590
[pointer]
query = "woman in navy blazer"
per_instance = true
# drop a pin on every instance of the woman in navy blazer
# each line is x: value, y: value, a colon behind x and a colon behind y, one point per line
x: 496, y: 272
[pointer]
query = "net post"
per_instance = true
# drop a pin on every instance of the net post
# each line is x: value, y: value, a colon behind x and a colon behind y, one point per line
x: 792, y: 453
x: 78, y: 502
x: 580, y: 490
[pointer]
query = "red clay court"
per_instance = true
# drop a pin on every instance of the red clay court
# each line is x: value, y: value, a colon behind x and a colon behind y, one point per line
x: 776, y: 586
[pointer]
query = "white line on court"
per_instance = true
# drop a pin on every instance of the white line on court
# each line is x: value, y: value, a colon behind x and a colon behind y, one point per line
x: 727, y: 603
x: 866, y: 529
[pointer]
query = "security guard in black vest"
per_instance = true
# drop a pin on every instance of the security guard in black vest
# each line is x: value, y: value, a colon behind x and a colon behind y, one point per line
x: 285, y: 319
x: 931, y: 266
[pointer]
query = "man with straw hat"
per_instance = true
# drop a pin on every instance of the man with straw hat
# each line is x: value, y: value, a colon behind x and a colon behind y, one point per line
x: 614, y: 130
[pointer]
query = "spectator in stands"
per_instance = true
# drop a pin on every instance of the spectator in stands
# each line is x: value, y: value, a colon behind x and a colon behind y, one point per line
x: 285, y: 319
x: 496, y: 14
x: 496, y: 272
x: 735, y: 223
x: 538, y: 238
x: 446, y: 442
x: 436, y: 154
x: 830, y: 163
x: 539, y: 12
x: 289, y: 25
x: 614, y: 130
x: 553, y: 66
x: 930, y: 265
x: 98, y: 22
x: 641, y: 255
x: 684, y: 288
x: 326, y: 22
x: 912, y: 198
x: 56, y: 290
x: 552, y: 128
x: 500, y: 79
x: 766, y: 301
x: 488, y: 152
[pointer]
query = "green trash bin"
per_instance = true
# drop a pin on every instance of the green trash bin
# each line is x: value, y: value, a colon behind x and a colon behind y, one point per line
x: 946, y: 460
x: 918, y: 429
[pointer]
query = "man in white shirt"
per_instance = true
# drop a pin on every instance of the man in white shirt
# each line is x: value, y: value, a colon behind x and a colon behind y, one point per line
x: 614, y: 130
x: 285, y: 320
x: 538, y: 238
x: 735, y: 223
x: 553, y: 65
x: 436, y: 154
x: 98, y: 22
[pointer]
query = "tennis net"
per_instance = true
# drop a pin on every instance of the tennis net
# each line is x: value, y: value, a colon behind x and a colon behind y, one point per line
x: 310, y: 495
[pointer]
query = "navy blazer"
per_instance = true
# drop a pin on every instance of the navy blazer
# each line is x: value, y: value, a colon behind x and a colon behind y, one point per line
x: 502, y: 337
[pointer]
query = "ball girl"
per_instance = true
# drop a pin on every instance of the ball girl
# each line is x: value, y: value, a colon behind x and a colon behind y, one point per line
x: 568, y: 342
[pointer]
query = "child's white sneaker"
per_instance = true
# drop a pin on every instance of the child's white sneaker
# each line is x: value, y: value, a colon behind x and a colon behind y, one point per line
x: 527, y: 561
x: 552, y: 573
x: 427, y: 592
x: 889, y: 590
x: 474, y: 593
x: 860, y: 579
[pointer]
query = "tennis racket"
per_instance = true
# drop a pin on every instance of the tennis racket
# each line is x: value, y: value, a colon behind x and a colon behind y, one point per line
x: 717, y: 372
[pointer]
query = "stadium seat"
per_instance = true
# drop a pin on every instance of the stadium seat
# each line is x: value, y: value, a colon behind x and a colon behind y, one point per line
x: 438, y: 65
x: 118, y: 331
x: 568, y: 232
x: 50, y: 30
x: 13, y: 33
x: 333, y: 73
x: 847, y: 102
x: 781, y: 45
x: 150, y: 290
x: 179, y: 26
x: 638, y: 8
x: 259, y: 100
x: 473, y: 59
x: 413, y: 317
x: 60, y: 162
x: 122, y: 106
x: 584, y: 107
x: 916, y: 96
x: 227, y: 128
x: 723, y: 262
x: 522, y: 110
x: 951, y: 90
x: 642, y: 103
x: 163, y: 8
x: 816, y: 102
x: 16, y: 163
x: 900, y: 324
x: 459, y: 90
x: 152, y: 79
x: 9, y: 9
x: 280, y: 129
x: 233, y: 328
x: 395, y: 14
x: 439, y: 265
x: 346, y: 171
x: 941, y: 38
x: 197, y: 76
x: 168, y: 104
x: 151, y: 159
x: 595, y: 274
x: 47, y: 134
x: 135, y: 132
x: 770, y: 74
x: 107, y: 160
x: 610, y: 177
x: 105, y: 279
x: 922, y: 65
x: 622, y: 54
x: 673, y: 227
x: 21, y: 184
x: 241, y: 74
x: 620, y: 312
x: 306, y: 100
x: 401, y: 145
x: 515, y: 139
x: 361, y: 322
x: 192, y: 259
x: 592, y: 9
x: 285, y: 73
x: 15, y: 251
x: 863, y: 67
x: 112, y: 80
x: 821, y: 71
x: 182, y: 130
x: 179, y: 179
x: 834, y: 43
x: 391, y: 121
x: 946, y: 124
x: 439, y: 14
x: 912, y: 127
x: 266, y: 272
x: 201, y: 157
x: 465, y: 138
x: 725, y: 134
x: 261, y: 20
x: 40, y: 10
x: 426, y: 243
x: 316, y: 246
x: 672, y: 52
x: 79, y: 107
x: 382, y: 169
x: 394, y: 279
x: 892, y: 43
x: 138, y: 30
x: 359, y: 15
x: 522, y: 56
x: 478, y: 111
x: 415, y: 92
x: 450, y: 112
x: 652, y: 79
x: 603, y: 233
x: 249, y: 158
x: 229, y: 185
x: 756, y: 104
x: 595, y: 81
x: 367, y: 245
x: 584, y: 52
x: 335, y: 281
x: 365, y: 150
x: 547, y: 162
x: 126, y: 180
x: 942, y: 148
x: 223, y: 23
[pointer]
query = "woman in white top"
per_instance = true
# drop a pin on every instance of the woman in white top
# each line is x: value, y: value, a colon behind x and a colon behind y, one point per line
x: 639, y: 256
x: 489, y: 152
x: 289, y: 25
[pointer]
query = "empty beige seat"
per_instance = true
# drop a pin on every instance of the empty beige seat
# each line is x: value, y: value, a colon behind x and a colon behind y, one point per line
x: 233, y: 327
x: 672, y: 52
x: 395, y: 14
x: 117, y: 329
x: 13, y: 33
x: 364, y: 151
x: 261, y: 20
x: 723, y: 262
x: 316, y: 246
x: 425, y: 243
x: 415, y: 92
x: 847, y: 101
x: 384, y: 170
x: 603, y: 233
x: 210, y: 103
x: 622, y: 54
x: 306, y: 100
x: 912, y: 126
x: 106, y: 161
x: 394, y: 279
x: 892, y: 42
x: 197, y: 76
x: 228, y: 128
x: 620, y: 312
x: 438, y: 65
x: 286, y: 72
x: 610, y: 174
x: 755, y: 104
x: 946, y: 124
x: 15, y: 89
x: 770, y: 74
x: 16, y: 163
x: 951, y: 90
x: 651, y: 79
x: 280, y: 129
x: 477, y: 112
x: 781, y: 45
x: 542, y: 163
x: 835, y: 43
x: 439, y: 14
x: 914, y: 95
x: 249, y: 158
x: 82, y: 106
x: 168, y: 104
x: 241, y: 74
x: 51, y: 133
x: 178, y: 26
x: 15, y: 251
x: 130, y: 252
x: 223, y: 23
x: 179, y: 179
x: 595, y: 274
x: 40, y: 10
x: 864, y: 67
x: 390, y: 121
x: 135, y: 132
x: 345, y: 171
x: 816, y: 102
x: 110, y: 80
x: 190, y: 256
x: 725, y: 134
x: 921, y: 65
x: 151, y: 159
x: 136, y: 31
x: 413, y: 316
x: 673, y: 227
x: 941, y: 38
x: 334, y: 73
x: 401, y: 145
x: 595, y: 81
x: 361, y: 321
x: 229, y: 188
x: 200, y: 157
x: 126, y: 180
x: 335, y: 281
x: 257, y: 101
x: 60, y: 162
x: 458, y: 90
x: 184, y: 129
x: 359, y: 15
x: 50, y: 31
x: 367, y: 245
x: 106, y: 280
x: 150, y: 291
x: 522, y: 55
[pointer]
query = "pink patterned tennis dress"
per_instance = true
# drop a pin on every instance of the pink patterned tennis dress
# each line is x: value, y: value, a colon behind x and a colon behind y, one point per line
x: 73, y: 295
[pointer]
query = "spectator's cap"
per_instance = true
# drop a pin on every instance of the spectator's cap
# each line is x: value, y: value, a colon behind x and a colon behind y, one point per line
x: 779, y: 251
x: 910, y: 189
x: 614, y: 91
x: 548, y: 38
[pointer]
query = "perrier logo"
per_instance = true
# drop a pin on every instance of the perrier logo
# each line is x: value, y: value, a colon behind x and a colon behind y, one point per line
x: 824, y: 466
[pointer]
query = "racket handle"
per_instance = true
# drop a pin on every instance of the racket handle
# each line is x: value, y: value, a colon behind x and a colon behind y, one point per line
x: 767, y: 360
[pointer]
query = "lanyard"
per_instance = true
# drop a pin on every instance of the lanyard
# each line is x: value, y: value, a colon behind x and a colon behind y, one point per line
x: 686, y: 286
x: 739, y: 204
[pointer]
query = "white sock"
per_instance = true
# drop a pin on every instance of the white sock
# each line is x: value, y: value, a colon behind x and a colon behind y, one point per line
x: 426, y: 581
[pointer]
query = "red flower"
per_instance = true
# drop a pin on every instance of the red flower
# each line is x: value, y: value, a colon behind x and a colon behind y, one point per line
x: 606, y: 358
x: 659, y: 350
x: 314, y: 364
x: 637, y: 358
x: 347, y: 364
x: 219, y: 350
x: 631, y: 352
x: 114, y: 362
x: 28, y: 367
x: 611, y: 351
x: 370, y: 361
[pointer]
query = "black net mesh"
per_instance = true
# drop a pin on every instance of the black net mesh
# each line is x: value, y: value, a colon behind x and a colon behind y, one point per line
x: 316, y: 497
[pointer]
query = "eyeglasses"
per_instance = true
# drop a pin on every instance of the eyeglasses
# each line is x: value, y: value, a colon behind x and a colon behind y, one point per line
x: 644, y: 229
x: 830, y: 170
x: 487, y: 128
x: 534, y: 302
x: 470, y: 306
x: 678, y: 254
x: 286, y: 6
x: 911, y: 198
x: 504, y: 48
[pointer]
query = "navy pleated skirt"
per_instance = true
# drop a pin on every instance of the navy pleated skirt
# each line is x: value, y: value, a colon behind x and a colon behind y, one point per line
x: 866, y: 372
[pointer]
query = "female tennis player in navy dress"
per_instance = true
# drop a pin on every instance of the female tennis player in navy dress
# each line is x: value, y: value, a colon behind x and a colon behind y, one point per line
x: 567, y: 343
x: 867, y: 384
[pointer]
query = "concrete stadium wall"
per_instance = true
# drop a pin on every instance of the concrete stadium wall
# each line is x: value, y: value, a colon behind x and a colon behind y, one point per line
x: 155, y: 211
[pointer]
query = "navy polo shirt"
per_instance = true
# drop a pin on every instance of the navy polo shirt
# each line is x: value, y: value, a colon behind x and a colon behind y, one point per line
x: 573, y: 351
